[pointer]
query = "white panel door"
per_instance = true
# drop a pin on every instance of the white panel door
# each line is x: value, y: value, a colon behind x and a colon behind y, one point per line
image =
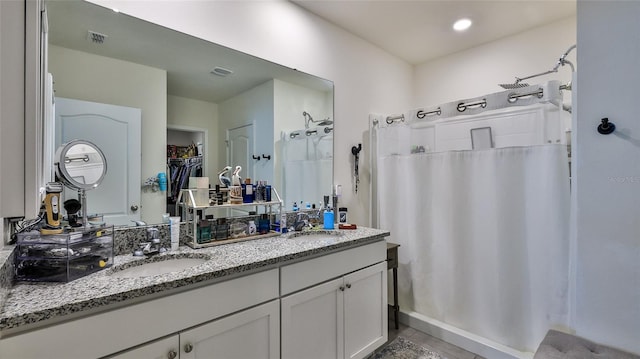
x: 116, y: 131
x: 253, y: 333
x: 365, y: 311
x: 240, y: 149
x: 312, y: 323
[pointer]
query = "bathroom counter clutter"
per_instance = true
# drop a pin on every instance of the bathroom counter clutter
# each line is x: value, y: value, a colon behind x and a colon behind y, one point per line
x: 30, y: 304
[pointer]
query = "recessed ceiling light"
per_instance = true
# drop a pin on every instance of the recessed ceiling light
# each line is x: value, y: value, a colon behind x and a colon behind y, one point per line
x: 221, y: 71
x: 462, y: 24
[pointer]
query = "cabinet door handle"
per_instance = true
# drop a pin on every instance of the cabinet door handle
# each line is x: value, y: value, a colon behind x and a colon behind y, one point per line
x: 348, y: 285
x: 188, y: 348
x: 172, y: 354
x: 342, y: 288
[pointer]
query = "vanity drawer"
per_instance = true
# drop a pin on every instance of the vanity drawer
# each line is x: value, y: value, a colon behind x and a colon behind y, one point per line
x: 297, y: 276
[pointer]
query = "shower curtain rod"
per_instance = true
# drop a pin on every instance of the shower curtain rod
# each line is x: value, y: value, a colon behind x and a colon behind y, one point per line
x: 319, y: 131
x: 531, y: 94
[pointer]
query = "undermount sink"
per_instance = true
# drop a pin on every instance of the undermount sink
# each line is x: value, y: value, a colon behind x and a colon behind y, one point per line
x: 147, y: 269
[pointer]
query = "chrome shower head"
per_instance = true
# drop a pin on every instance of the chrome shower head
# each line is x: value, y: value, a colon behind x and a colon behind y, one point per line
x: 513, y: 86
x: 325, y: 122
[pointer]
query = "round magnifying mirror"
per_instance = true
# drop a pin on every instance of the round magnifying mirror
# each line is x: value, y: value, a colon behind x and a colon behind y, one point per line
x: 80, y: 164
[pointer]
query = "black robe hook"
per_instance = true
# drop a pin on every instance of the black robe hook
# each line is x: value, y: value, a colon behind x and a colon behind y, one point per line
x: 606, y: 127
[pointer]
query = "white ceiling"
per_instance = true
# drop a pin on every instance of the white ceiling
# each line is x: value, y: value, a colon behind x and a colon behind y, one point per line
x: 420, y: 30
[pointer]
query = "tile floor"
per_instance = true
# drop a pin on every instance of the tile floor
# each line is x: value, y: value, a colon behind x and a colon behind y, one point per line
x: 447, y: 350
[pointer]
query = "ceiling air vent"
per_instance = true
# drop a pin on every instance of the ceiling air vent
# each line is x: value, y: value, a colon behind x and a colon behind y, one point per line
x: 96, y: 37
x: 221, y: 71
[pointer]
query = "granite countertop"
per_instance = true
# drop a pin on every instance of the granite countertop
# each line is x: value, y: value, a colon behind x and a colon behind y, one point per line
x: 35, y: 303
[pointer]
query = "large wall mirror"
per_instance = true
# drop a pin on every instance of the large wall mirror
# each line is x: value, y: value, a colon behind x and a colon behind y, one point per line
x: 157, y: 100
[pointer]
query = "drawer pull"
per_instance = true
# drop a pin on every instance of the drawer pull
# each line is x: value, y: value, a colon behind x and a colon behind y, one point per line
x: 188, y: 348
x: 342, y: 288
x: 172, y: 354
x: 348, y: 285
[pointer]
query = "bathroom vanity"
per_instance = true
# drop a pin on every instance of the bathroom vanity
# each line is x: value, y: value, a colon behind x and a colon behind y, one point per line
x: 289, y: 296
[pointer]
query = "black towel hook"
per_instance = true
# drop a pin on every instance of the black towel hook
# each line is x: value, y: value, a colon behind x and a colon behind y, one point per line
x: 268, y: 157
x: 355, y: 150
x: 256, y: 157
x: 606, y: 127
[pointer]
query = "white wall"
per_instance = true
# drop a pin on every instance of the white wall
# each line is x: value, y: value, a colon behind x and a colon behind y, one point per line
x: 478, y: 71
x: 367, y: 79
x: 607, y: 169
x: 195, y: 114
x: 253, y: 107
x: 83, y: 76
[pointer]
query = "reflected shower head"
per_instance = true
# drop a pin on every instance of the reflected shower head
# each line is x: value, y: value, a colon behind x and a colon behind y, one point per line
x: 308, y: 118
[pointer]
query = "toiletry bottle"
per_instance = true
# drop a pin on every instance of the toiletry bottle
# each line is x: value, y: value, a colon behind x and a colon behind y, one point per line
x: 295, y: 206
x: 222, y: 229
x: 283, y: 222
x: 328, y: 218
x: 247, y: 191
x: 251, y: 230
x: 174, y: 225
x: 342, y: 213
x: 162, y: 181
x: 263, y: 224
x: 259, y: 192
x: 335, y: 207
x: 308, y: 205
x: 267, y: 192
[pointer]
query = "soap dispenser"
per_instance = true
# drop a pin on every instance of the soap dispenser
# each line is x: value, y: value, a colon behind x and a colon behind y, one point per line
x: 328, y: 218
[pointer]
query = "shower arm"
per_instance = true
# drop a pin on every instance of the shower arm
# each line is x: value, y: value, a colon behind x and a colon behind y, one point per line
x: 561, y: 62
x: 308, y: 119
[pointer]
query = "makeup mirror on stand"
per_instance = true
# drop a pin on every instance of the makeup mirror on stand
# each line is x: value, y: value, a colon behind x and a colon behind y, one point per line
x: 80, y: 165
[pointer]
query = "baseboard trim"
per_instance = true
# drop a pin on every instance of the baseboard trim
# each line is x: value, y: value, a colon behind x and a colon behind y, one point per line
x: 461, y: 338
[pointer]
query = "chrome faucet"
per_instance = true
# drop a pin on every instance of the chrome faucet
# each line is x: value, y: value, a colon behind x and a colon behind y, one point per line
x: 300, y: 223
x: 152, y: 245
x: 309, y: 218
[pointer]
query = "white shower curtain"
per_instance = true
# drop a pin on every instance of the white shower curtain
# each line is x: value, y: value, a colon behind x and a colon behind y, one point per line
x: 483, y: 235
x: 307, y: 170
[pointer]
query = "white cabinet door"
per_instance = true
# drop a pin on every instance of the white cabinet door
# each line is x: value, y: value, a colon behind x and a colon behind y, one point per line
x: 253, y: 333
x: 342, y: 318
x: 166, y: 348
x: 312, y: 322
x: 365, y: 311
